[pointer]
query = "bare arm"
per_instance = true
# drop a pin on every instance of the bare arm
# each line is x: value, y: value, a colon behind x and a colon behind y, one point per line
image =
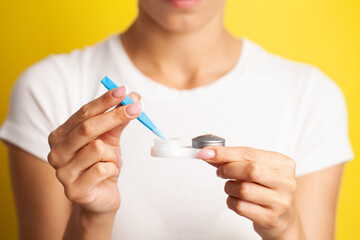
x: 41, y: 206
x: 316, y: 199
x: 43, y: 210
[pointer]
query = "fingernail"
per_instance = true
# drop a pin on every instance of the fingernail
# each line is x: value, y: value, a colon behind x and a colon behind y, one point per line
x: 126, y: 89
x: 206, y: 154
x: 134, y: 108
x: 118, y: 92
x: 136, y: 94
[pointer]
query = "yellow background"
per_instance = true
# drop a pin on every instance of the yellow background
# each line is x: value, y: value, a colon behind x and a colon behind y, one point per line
x: 325, y: 33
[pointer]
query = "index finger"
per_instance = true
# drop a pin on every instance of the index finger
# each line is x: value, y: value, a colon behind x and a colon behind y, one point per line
x: 221, y: 154
x: 95, y: 107
x: 96, y: 126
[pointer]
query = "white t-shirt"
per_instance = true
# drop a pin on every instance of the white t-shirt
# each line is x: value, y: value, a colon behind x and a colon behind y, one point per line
x: 264, y: 102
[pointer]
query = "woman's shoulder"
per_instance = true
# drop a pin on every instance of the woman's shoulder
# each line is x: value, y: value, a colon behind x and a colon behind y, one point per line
x: 66, y: 66
x: 273, y: 66
x: 62, y: 81
x: 281, y: 74
x: 47, y: 93
x: 70, y: 76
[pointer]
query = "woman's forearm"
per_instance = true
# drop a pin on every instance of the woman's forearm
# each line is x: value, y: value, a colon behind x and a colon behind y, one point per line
x: 85, y: 225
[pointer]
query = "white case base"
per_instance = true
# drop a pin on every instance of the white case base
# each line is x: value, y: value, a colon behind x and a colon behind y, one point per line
x: 173, y: 148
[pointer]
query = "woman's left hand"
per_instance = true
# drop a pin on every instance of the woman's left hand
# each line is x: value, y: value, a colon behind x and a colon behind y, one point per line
x: 262, y: 188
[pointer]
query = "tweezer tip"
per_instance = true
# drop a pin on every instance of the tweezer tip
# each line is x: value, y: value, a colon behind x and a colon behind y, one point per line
x: 159, y: 134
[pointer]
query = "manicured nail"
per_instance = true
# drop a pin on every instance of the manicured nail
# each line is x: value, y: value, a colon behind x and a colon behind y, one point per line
x: 136, y: 94
x: 206, y: 154
x: 126, y: 89
x: 134, y: 108
x: 118, y: 92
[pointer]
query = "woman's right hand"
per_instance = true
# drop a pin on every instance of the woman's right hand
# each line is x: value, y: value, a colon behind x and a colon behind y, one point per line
x: 85, y: 151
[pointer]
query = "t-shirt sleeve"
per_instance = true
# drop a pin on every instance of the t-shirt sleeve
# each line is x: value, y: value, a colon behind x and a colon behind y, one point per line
x: 32, y: 114
x: 324, y: 137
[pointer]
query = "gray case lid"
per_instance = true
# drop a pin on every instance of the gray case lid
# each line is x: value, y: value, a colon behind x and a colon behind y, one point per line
x: 207, y: 140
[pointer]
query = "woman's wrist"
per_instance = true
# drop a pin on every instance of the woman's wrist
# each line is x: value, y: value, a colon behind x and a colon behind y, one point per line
x: 84, y: 224
x: 294, y: 230
x: 89, y: 219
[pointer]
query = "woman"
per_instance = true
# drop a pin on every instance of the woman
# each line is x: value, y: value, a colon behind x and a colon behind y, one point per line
x: 195, y: 78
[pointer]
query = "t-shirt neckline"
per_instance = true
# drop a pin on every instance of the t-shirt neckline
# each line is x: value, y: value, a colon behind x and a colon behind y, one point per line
x: 130, y: 71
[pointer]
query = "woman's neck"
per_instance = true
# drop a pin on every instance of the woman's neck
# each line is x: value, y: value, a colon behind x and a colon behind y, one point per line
x: 181, y: 60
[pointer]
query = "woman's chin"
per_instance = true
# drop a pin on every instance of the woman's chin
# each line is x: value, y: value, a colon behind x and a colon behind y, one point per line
x: 181, y: 15
x: 180, y: 24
